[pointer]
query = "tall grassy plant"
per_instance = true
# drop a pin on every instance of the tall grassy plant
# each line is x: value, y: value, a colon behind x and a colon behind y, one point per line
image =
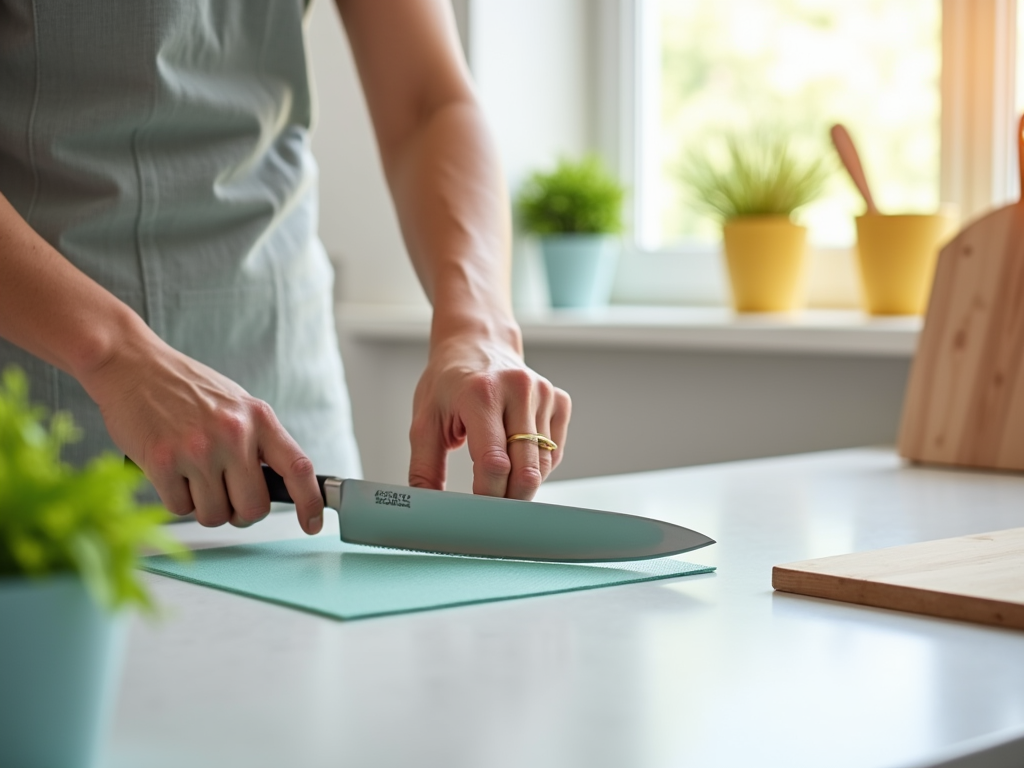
x: 55, y: 518
x: 753, y: 176
x: 577, y: 197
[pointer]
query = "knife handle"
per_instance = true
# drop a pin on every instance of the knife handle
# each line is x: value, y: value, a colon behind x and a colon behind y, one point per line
x: 278, y: 490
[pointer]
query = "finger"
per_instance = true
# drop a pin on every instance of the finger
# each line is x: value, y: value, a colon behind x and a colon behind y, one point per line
x: 175, y: 496
x: 560, y: 425
x: 282, y: 454
x: 161, y: 467
x: 211, y: 498
x: 544, y: 458
x: 485, y: 433
x: 545, y: 407
x: 428, y: 462
x: 247, y: 492
x: 525, y: 477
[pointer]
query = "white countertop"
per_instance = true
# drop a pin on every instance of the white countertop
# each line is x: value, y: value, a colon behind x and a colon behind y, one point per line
x: 833, y: 332
x: 709, y: 671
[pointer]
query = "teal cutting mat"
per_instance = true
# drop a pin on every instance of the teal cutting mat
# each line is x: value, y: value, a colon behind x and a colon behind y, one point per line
x: 346, y: 581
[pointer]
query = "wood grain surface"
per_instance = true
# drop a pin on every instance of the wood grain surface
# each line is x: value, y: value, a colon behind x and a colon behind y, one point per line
x: 965, y: 397
x: 977, y: 578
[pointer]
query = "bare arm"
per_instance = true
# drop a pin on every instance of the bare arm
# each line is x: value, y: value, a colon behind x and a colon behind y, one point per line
x: 451, y: 201
x: 198, y: 436
x: 51, y: 309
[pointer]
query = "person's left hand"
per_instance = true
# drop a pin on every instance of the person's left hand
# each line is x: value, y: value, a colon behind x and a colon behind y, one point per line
x: 482, y: 392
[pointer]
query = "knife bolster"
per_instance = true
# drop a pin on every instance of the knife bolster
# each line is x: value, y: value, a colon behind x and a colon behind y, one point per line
x: 332, y: 493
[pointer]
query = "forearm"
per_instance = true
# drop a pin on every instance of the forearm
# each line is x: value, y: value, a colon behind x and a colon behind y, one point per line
x: 448, y: 188
x: 51, y: 309
x: 451, y: 201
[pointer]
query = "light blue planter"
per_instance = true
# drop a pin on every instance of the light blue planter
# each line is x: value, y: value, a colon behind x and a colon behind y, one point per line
x: 59, y: 660
x: 580, y: 269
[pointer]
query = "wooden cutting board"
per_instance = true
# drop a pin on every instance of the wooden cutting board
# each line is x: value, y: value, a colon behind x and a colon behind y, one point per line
x: 977, y: 578
x: 965, y: 397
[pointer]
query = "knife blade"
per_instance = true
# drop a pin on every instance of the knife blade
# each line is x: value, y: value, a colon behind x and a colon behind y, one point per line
x: 421, y: 519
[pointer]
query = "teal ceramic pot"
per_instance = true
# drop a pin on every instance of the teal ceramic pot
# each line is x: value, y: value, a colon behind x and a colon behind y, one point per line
x: 580, y: 269
x: 59, y: 661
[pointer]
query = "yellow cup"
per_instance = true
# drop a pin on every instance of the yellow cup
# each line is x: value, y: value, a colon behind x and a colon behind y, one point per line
x: 766, y: 257
x: 896, y: 258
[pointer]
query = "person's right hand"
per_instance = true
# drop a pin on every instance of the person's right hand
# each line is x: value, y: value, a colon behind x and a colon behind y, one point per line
x: 199, y: 437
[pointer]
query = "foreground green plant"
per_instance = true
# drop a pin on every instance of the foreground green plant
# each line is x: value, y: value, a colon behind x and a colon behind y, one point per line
x: 575, y: 198
x: 752, y: 176
x: 54, y: 518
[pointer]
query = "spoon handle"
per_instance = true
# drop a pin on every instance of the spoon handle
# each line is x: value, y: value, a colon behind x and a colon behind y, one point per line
x: 851, y: 160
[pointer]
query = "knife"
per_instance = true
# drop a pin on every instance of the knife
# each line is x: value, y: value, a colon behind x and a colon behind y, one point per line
x: 445, y: 522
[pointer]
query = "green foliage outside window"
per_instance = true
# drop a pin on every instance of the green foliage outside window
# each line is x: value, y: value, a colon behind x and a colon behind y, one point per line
x: 55, y: 518
x: 873, y: 65
x: 575, y: 198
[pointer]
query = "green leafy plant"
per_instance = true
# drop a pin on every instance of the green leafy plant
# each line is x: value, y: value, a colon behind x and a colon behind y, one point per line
x: 752, y: 176
x: 55, y: 518
x: 575, y: 198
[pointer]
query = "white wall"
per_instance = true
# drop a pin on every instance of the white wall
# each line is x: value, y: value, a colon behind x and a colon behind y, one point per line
x: 529, y: 60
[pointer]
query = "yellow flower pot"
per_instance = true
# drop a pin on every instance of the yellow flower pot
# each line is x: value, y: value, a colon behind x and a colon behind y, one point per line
x: 896, y: 257
x: 766, y: 257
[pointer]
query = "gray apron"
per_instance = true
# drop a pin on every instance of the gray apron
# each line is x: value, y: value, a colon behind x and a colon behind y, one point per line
x: 163, y: 148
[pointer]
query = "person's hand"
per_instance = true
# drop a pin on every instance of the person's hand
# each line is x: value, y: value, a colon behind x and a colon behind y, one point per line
x: 199, y: 437
x: 482, y: 392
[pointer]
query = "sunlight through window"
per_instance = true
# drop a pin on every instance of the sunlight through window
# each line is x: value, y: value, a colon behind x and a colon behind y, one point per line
x: 793, y: 66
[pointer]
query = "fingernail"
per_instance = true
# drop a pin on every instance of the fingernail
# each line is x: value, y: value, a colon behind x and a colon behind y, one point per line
x: 316, y: 523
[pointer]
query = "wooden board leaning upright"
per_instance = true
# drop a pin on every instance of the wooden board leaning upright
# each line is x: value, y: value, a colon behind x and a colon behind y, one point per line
x: 965, y: 399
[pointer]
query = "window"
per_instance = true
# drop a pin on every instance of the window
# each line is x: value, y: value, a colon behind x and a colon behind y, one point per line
x: 793, y: 67
x: 927, y: 88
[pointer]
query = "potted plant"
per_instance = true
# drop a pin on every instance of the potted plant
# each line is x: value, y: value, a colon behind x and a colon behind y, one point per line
x: 69, y: 542
x: 753, y: 189
x: 576, y: 211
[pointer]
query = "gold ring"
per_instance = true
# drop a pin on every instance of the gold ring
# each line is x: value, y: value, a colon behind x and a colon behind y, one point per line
x: 539, y: 440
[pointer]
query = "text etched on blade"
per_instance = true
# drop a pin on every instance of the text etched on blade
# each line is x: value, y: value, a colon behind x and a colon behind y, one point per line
x: 393, y: 499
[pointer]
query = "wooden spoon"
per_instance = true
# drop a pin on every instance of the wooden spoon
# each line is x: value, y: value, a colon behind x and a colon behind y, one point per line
x: 851, y: 160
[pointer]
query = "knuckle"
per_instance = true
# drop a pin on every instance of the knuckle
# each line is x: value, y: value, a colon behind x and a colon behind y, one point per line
x: 252, y: 513
x: 212, y: 518
x: 232, y: 425
x: 179, y: 508
x: 494, y: 463
x: 199, y: 447
x: 163, y: 459
x: 563, y: 401
x: 484, y: 389
x: 301, y: 466
x: 421, y: 477
x: 545, y: 389
x: 529, y: 477
x: 519, y: 380
x: 262, y: 411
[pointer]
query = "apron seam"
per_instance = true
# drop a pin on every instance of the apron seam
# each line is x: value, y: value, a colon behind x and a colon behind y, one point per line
x: 278, y: 292
x: 147, y: 267
x: 30, y: 138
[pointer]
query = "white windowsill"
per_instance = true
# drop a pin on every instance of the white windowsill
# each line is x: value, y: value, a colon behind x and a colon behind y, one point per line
x: 817, y: 332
